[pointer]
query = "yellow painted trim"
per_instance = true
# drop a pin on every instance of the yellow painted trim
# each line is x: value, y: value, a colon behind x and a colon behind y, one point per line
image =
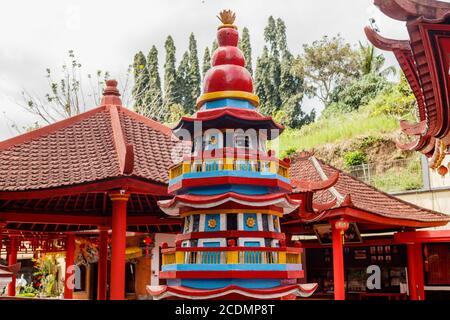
x: 227, y: 94
x: 179, y: 257
x: 119, y: 196
x: 232, y: 257
x: 226, y: 25
x: 273, y: 167
x: 186, y: 167
x: 232, y: 211
x: 281, y: 257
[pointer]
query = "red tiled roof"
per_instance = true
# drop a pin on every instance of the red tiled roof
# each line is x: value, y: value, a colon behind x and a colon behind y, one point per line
x: 363, y: 196
x: 104, y: 143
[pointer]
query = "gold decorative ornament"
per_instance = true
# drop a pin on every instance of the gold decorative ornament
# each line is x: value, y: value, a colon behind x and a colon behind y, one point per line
x: 226, y: 16
x: 275, y: 223
x: 186, y: 223
x: 250, y: 222
x: 212, y: 223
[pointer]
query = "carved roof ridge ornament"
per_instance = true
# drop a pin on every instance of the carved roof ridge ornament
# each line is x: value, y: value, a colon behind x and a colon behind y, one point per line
x: 319, y: 207
x: 414, y: 129
x: 384, y: 43
x: 323, y: 176
x: 307, y: 185
x: 404, y: 10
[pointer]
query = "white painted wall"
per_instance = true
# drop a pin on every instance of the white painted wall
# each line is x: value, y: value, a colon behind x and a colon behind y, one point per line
x: 159, y: 239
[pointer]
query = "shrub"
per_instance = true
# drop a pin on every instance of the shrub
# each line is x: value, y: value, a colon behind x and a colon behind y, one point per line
x: 354, y: 158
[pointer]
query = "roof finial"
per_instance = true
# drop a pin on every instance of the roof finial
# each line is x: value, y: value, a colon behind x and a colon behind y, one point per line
x: 227, y: 18
x: 111, y: 94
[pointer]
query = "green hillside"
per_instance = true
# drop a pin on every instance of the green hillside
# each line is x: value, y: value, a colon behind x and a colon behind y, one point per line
x: 363, y: 141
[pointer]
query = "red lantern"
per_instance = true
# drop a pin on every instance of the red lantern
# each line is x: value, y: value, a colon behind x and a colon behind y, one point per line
x: 341, y: 225
x: 148, y: 241
x: 442, y: 170
x: 231, y: 242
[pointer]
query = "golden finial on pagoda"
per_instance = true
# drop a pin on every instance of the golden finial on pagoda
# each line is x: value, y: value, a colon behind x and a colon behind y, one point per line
x: 227, y: 18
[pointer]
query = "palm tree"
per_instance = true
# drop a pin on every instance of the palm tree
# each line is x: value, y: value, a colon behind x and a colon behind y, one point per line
x: 373, y: 63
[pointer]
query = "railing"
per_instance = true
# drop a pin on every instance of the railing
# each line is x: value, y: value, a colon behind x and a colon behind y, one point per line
x: 210, y: 165
x: 230, y: 255
x: 391, y: 176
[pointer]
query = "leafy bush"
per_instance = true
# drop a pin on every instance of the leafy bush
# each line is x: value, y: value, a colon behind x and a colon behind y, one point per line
x: 359, y: 92
x: 354, y: 158
x: 399, y: 101
x: 288, y: 153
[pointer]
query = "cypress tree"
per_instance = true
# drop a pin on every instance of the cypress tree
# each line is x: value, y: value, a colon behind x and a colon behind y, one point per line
x: 263, y: 87
x: 245, y: 46
x: 194, y: 75
x: 153, y: 97
x: 140, y: 73
x: 206, y: 62
x: 214, y: 46
x: 183, y: 87
x: 170, y: 74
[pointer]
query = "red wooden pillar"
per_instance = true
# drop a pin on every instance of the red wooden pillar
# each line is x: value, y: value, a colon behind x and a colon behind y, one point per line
x: 415, y: 271
x: 102, y: 263
x: 12, y: 259
x: 70, y: 259
x: 338, y: 264
x: 118, y: 244
x: 2, y: 226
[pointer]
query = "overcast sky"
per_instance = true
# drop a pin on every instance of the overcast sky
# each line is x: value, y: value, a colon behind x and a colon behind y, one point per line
x: 105, y: 35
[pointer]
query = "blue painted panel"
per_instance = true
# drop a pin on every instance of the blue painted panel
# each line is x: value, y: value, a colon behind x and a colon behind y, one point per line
x: 229, y: 173
x: 250, y: 228
x: 238, y: 188
x: 211, y: 244
x: 230, y: 103
x: 230, y: 267
x: 251, y: 244
x: 216, y: 218
x: 220, y: 283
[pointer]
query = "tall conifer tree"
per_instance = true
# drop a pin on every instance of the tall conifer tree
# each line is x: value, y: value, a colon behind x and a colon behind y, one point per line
x: 153, y: 97
x: 170, y: 74
x: 194, y: 75
x: 140, y: 73
x: 183, y: 87
x: 206, y: 61
x: 245, y: 46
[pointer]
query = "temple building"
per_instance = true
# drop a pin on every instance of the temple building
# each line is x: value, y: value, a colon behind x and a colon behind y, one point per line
x: 231, y: 194
x: 137, y: 210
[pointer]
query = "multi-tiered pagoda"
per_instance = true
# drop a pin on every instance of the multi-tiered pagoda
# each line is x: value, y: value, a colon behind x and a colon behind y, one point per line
x: 231, y: 193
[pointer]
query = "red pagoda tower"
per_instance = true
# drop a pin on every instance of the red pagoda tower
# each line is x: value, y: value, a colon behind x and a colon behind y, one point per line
x: 231, y: 193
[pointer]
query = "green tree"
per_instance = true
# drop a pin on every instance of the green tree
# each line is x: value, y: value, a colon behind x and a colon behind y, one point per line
x: 325, y: 64
x: 214, y: 47
x: 183, y: 87
x: 170, y: 74
x: 246, y: 48
x: 263, y: 85
x: 194, y: 75
x: 140, y: 73
x: 206, y: 61
x: 373, y: 63
x: 153, y: 106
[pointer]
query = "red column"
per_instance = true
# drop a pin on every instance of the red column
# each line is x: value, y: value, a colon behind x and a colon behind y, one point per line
x: 415, y: 271
x: 2, y: 226
x: 12, y: 259
x: 118, y: 244
x: 102, y: 263
x: 338, y: 264
x: 70, y: 259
